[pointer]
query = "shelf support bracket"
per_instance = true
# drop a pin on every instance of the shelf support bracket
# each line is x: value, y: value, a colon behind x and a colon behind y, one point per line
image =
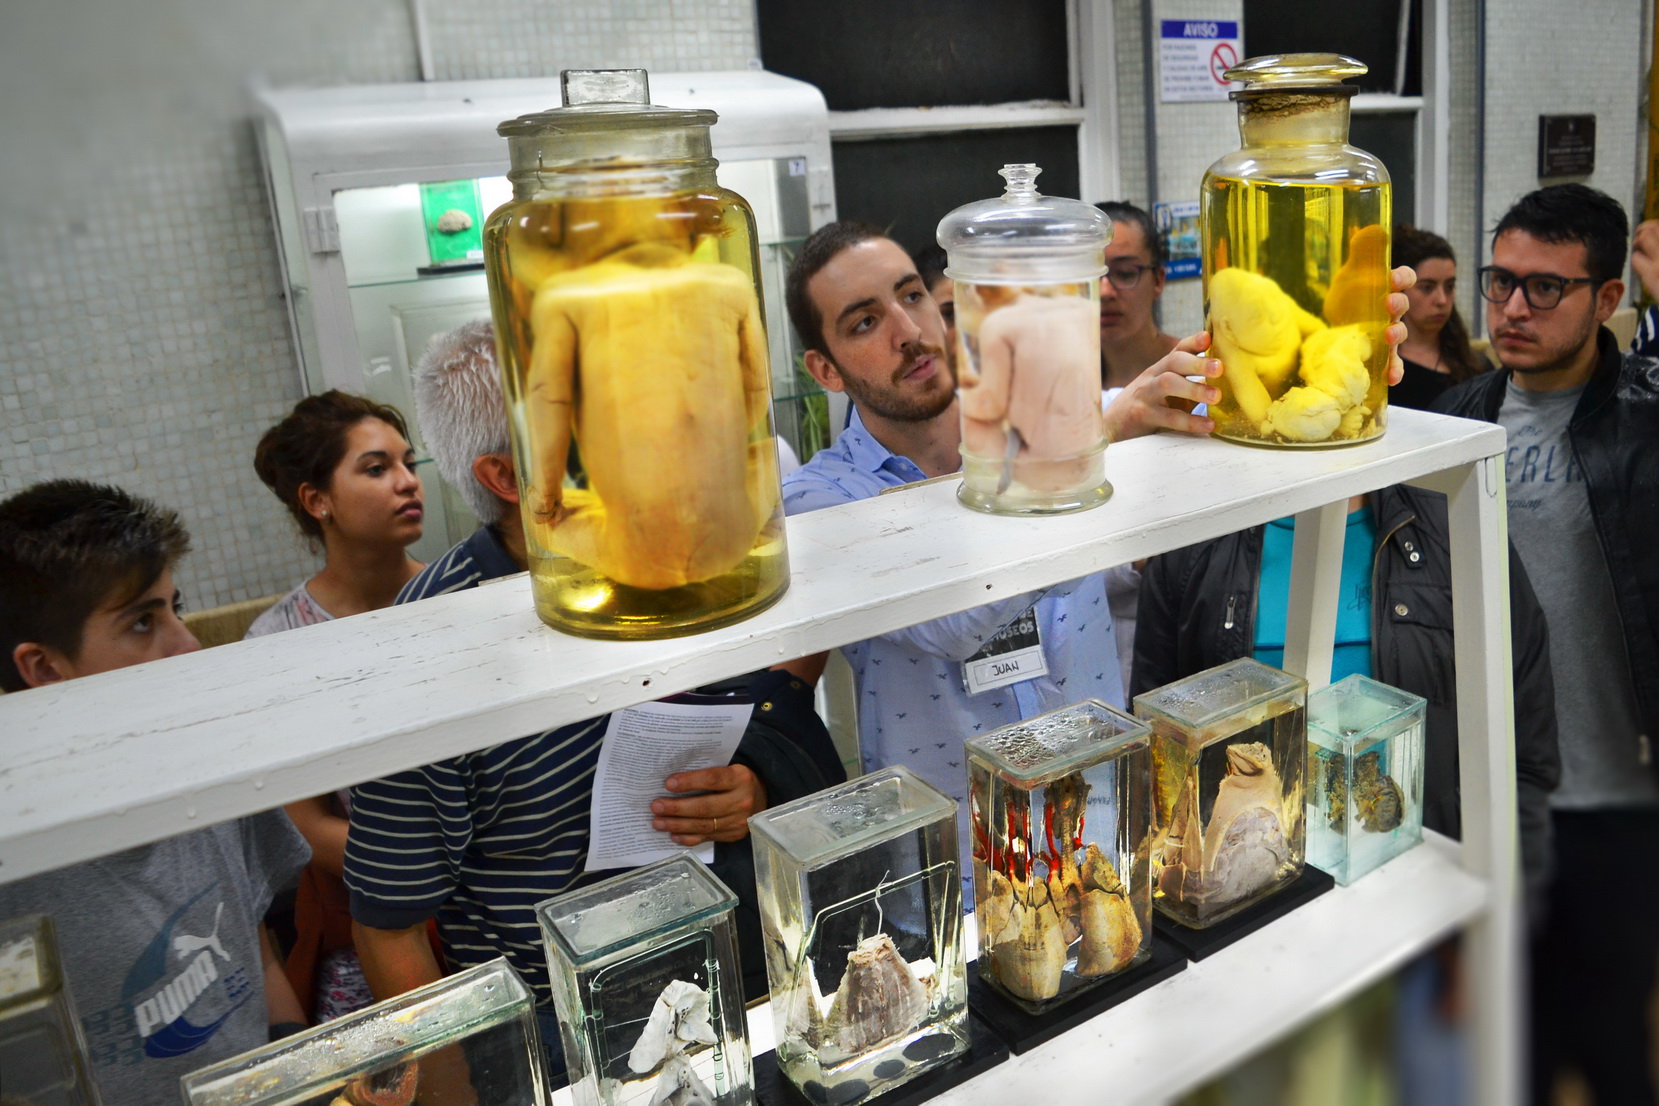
x: 1476, y: 506
x: 1315, y: 579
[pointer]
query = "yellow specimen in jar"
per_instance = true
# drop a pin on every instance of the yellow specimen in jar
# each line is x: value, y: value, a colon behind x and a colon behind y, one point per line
x: 1257, y: 334
x: 656, y: 363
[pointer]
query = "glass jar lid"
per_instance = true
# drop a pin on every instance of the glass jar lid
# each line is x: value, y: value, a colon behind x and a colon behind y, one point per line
x: 602, y: 100
x: 1059, y: 743
x: 593, y: 923
x: 1023, y: 236
x: 608, y: 123
x: 1295, y: 72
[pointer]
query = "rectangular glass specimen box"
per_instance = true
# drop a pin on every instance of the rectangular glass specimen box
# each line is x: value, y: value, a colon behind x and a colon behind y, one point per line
x: 1229, y: 746
x: 42, y: 1053
x: 861, y: 905
x: 1365, y: 775
x: 1061, y: 805
x: 648, y: 989
x: 470, y: 1037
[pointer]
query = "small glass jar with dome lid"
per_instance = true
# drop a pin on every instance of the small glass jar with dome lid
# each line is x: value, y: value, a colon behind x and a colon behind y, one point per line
x: 1027, y: 269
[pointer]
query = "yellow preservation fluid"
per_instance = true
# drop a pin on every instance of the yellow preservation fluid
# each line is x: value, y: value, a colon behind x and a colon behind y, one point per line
x: 1296, y: 230
x: 634, y: 359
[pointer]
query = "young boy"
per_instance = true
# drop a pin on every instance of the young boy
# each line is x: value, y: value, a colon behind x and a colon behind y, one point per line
x: 161, y: 944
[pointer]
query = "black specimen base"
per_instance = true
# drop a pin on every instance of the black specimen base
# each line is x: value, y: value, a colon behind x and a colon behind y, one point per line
x: 1200, y: 943
x: 985, y: 1051
x: 1023, y: 1031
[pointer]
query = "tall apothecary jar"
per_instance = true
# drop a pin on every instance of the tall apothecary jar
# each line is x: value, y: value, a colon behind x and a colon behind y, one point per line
x: 1027, y: 269
x: 1296, y: 237
x: 634, y: 360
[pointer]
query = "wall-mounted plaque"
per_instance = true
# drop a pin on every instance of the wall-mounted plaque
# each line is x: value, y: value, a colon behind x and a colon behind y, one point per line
x: 1566, y: 145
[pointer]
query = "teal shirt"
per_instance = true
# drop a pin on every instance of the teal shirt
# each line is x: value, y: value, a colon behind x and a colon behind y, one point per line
x: 1353, y: 613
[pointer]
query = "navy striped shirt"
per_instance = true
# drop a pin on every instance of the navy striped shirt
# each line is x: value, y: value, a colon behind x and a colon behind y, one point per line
x: 478, y: 840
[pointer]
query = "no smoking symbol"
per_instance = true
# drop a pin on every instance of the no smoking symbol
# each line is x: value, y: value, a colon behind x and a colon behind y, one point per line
x: 1222, y: 58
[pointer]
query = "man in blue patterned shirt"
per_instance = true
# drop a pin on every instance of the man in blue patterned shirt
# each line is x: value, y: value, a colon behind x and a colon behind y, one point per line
x: 872, y: 331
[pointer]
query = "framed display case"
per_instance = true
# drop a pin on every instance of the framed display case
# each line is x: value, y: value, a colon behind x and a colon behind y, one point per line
x: 379, y: 191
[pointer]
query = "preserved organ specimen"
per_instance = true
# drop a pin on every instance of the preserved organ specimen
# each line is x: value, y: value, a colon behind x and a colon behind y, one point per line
x: 668, y: 356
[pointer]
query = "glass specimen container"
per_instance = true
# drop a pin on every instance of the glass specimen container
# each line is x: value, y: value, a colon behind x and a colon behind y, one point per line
x: 43, y: 1059
x: 1229, y: 746
x: 648, y: 989
x: 1062, y: 807
x: 634, y: 361
x: 1365, y: 775
x: 1295, y: 228
x: 1027, y: 271
x: 861, y: 906
x: 470, y: 1037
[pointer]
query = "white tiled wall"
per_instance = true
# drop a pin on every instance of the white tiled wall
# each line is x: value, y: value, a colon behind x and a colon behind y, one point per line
x: 1190, y: 138
x: 145, y: 340
x: 1464, y: 155
x: 1588, y: 63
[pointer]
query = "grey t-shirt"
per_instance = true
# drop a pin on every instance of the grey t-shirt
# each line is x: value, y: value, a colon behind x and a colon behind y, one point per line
x: 160, y: 947
x: 1551, y: 527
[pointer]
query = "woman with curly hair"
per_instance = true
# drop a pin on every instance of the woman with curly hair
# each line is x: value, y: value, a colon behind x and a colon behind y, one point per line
x: 343, y: 467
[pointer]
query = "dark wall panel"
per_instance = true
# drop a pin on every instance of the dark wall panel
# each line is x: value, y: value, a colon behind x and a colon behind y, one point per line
x: 906, y: 185
x: 911, y: 53
x: 1365, y: 29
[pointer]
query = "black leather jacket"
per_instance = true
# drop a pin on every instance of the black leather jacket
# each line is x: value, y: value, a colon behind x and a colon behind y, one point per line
x: 1198, y: 610
x: 1615, y: 438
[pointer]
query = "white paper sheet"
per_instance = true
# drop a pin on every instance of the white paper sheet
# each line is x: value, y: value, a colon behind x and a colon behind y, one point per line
x: 643, y: 746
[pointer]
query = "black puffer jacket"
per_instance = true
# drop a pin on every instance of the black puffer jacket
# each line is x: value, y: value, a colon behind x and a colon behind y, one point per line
x: 1198, y: 610
x: 1615, y: 438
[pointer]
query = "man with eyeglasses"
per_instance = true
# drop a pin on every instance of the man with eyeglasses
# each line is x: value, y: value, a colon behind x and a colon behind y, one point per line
x: 1583, y: 486
x: 1129, y: 336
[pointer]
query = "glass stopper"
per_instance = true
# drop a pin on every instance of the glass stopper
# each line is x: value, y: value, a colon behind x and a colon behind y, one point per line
x: 1022, y: 183
x: 604, y: 86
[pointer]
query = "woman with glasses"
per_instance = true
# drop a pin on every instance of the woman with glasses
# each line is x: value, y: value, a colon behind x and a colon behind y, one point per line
x: 1134, y: 279
x: 1436, y: 350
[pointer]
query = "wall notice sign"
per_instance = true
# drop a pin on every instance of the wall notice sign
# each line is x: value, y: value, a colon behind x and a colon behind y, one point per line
x: 1177, y: 225
x: 1192, y: 56
x: 1566, y: 145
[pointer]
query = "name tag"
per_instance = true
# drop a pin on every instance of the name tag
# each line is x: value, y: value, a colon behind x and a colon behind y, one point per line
x: 1013, y: 655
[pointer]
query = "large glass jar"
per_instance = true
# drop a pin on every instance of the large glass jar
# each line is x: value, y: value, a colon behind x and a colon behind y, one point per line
x: 1229, y: 746
x: 1296, y: 236
x: 1062, y: 804
x: 647, y: 988
x: 861, y: 912
x: 468, y: 1038
x: 1026, y: 269
x: 633, y: 356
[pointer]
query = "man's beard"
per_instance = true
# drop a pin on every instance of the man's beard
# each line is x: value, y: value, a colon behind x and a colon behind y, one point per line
x: 1562, y: 359
x: 890, y: 403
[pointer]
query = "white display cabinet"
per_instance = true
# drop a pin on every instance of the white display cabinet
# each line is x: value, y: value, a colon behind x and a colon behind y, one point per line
x: 357, y: 177
x: 131, y: 756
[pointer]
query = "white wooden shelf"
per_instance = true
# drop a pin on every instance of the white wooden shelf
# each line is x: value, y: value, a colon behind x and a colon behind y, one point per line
x: 136, y: 755
x: 1174, y: 1037
x: 139, y: 754
x: 1269, y: 983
